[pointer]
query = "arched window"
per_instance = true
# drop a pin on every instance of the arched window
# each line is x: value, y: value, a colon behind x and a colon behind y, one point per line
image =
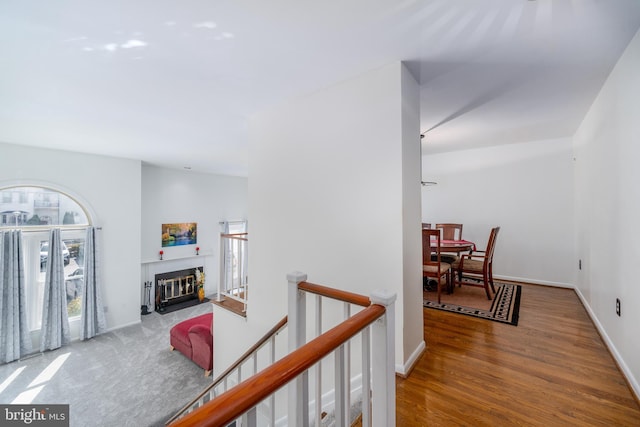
x: 37, y: 207
x: 35, y: 210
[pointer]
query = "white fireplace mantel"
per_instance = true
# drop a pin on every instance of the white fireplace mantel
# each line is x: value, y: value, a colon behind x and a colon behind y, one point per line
x: 165, y: 258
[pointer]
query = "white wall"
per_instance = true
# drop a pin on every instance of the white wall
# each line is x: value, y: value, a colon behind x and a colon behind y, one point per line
x: 526, y: 189
x: 174, y: 196
x: 326, y: 190
x: 110, y: 188
x: 411, y: 295
x: 608, y: 208
x: 130, y: 202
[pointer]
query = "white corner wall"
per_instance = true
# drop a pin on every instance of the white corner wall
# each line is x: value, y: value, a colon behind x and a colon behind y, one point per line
x: 607, y: 210
x: 526, y: 189
x: 326, y: 189
x: 411, y: 296
x: 111, y: 189
x: 174, y: 196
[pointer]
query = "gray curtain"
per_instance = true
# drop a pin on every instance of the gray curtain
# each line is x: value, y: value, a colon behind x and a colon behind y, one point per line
x: 14, y: 331
x: 55, y: 323
x: 93, y: 320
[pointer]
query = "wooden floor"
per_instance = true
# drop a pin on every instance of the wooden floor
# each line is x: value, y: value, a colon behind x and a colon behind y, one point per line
x: 230, y: 304
x: 553, y: 369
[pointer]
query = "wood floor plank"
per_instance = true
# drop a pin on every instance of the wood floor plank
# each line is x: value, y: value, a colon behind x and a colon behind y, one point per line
x: 553, y: 369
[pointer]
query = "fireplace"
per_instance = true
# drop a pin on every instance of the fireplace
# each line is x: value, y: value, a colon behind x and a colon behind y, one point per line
x: 175, y: 287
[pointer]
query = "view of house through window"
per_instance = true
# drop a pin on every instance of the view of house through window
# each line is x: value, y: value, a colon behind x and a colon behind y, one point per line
x: 35, y: 210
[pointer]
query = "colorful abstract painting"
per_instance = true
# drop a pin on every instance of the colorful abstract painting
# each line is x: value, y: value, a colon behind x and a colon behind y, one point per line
x: 185, y: 233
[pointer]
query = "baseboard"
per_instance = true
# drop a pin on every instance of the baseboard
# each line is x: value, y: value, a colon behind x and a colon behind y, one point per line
x: 137, y: 322
x: 631, y: 380
x: 405, y: 370
x: 626, y: 372
x: 535, y: 281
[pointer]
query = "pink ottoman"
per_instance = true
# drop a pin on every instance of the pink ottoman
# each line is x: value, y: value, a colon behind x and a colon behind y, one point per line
x: 194, y: 338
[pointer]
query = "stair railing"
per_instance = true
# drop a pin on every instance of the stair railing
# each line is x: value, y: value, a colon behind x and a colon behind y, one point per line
x: 375, y: 324
x: 221, y: 382
x: 233, y: 281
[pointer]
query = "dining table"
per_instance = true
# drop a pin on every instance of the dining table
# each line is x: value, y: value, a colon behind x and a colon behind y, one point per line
x: 447, y: 247
x: 456, y: 246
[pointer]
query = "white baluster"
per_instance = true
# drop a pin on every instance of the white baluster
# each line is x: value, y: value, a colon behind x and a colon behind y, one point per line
x: 272, y: 399
x: 339, y: 387
x: 318, y: 416
x: 251, y: 419
x: 366, y: 377
x: 347, y: 368
x: 254, y: 356
x: 383, y: 362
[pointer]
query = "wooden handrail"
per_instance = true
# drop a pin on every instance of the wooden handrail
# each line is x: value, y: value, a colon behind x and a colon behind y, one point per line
x: 345, y: 296
x: 235, y: 236
x: 278, y: 326
x: 239, y: 399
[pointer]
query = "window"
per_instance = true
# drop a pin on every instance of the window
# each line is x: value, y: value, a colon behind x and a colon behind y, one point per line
x: 35, y: 212
x: 236, y: 251
x: 234, y: 244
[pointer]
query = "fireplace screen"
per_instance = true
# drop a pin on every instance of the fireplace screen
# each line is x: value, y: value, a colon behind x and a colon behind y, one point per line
x: 175, y: 287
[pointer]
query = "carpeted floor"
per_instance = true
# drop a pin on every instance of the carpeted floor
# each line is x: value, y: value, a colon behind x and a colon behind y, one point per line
x: 472, y: 301
x: 126, y: 377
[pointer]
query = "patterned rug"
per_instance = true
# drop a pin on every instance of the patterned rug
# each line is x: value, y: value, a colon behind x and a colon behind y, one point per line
x: 504, y: 307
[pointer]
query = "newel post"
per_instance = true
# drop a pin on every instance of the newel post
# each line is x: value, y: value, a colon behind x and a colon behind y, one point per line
x: 298, y: 389
x: 383, y: 362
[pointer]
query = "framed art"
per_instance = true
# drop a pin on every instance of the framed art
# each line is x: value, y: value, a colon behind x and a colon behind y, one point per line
x: 185, y: 233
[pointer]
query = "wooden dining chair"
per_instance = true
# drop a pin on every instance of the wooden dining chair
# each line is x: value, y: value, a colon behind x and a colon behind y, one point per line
x: 426, y: 225
x: 476, y: 268
x: 450, y: 231
x: 432, y: 265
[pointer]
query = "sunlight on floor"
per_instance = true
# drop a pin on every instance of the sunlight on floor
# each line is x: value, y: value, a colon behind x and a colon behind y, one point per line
x: 26, y: 397
x: 50, y: 370
x: 40, y: 381
x: 12, y: 377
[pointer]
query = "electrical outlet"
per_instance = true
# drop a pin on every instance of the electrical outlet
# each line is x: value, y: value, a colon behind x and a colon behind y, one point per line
x: 579, y: 264
x: 618, y: 306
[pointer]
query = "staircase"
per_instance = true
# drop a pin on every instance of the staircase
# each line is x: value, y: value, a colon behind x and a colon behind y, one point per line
x: 351, y: 361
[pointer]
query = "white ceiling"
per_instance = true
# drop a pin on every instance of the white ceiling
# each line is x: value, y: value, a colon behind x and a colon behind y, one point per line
x: 174, y: 82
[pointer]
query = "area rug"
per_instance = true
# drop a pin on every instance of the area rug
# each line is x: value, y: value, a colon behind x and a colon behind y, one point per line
x: 472, y: 301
